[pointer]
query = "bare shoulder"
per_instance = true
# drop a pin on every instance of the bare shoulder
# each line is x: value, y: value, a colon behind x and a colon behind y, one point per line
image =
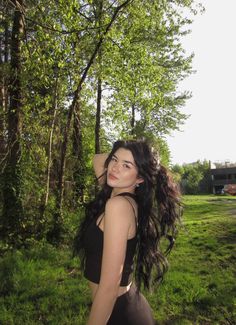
x: 119, y: 205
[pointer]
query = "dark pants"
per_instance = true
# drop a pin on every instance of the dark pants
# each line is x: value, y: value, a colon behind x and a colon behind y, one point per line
x: 131, y: 308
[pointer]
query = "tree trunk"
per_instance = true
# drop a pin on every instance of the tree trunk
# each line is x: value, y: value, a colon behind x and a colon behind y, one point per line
x: 12, y: 187
x: 79, y: 173
x: 50, y: 144
x: 4, y: 46
x: 132, y: 122
x: 98, y: 116
x: 99, y: 80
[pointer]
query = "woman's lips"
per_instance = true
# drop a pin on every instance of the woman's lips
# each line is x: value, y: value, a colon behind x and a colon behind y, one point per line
x: 112, y: 176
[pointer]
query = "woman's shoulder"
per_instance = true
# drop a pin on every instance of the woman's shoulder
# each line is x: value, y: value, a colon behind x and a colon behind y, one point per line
x: 116, y: 201
x: 120, y: 215
x: 120, y: 204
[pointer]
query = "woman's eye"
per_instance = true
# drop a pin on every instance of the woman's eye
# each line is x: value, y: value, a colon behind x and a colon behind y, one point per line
x: 113, y: 158
x: 126, y: 166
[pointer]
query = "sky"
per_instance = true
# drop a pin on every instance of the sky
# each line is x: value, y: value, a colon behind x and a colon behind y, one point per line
x: 210, y: 132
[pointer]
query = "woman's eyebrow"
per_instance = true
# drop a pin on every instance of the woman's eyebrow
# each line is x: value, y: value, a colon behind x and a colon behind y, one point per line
x: 126, y: 161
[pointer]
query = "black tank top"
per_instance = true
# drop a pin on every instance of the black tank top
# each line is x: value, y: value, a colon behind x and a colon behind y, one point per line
x: 93, y: 252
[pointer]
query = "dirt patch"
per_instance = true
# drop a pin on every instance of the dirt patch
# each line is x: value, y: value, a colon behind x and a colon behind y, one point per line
x: 223, y: 200
x: 232, y: 212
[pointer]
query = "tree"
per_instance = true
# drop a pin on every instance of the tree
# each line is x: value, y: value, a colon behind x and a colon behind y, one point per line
x: 194, y: 178
x: 12, y: 215
x: 4, y: 80
x: 89, y: 73
x: 74, y: 105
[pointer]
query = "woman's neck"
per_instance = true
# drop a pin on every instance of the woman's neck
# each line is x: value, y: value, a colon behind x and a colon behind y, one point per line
x: 119, y: 191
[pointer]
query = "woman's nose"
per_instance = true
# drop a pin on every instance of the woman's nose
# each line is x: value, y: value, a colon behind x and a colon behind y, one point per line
x: 115, y: 167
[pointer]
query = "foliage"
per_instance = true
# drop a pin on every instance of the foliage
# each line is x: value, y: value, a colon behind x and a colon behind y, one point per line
x: 193, y: 178
x: 66, y: 47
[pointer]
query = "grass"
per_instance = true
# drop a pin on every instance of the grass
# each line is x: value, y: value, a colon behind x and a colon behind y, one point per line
x: 43, y: 285
x: 200, y: 286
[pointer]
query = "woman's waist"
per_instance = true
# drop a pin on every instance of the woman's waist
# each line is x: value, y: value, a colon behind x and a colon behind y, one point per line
x: 121, y: 290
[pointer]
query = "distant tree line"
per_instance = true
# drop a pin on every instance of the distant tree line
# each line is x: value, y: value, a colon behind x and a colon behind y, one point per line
x: 194, y: 178
x: 75, y: 76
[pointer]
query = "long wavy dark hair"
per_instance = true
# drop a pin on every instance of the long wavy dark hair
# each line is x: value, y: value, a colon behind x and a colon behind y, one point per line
x: 159, y: 210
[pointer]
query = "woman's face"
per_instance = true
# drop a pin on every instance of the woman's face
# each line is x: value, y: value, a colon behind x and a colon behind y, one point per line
x: 122, y: 172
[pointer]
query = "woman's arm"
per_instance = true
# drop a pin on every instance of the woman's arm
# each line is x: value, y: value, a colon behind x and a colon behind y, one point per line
x: 98, y: 165
x: 117, y: 221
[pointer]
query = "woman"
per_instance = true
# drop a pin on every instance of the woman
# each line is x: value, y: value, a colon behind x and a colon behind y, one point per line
x: 137, y: 205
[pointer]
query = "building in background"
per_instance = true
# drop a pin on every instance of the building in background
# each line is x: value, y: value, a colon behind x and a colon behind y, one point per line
x: 224, y: 180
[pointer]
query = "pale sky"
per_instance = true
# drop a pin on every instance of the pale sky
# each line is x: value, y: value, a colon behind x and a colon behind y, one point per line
x: 210, y: 132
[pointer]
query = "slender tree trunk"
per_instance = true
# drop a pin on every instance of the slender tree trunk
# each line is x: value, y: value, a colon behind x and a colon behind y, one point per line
x: 98, y: 116
x: 12, y: 189
x: 4, y: 46
x: 2, y: 109
x: 3, y: 102
x: 132, y: 122
x: 79, y: 173
x: 50, y: 143
x: 99, y: 80
x: 98, y: 120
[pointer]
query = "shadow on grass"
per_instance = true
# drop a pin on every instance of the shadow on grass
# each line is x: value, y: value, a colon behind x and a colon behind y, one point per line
x: 180, y: 320
x: 229, y: 238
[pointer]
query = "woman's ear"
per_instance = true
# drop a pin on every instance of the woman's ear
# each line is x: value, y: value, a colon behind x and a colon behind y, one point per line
x: 139, y: 180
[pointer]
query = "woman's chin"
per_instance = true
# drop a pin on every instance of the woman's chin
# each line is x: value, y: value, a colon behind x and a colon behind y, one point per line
x: 111, y: 183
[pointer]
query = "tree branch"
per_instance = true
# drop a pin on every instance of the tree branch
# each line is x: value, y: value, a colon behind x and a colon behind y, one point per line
x: 99, y: 45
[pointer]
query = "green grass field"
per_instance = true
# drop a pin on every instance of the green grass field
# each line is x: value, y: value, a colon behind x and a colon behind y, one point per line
x: 44, y: 286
